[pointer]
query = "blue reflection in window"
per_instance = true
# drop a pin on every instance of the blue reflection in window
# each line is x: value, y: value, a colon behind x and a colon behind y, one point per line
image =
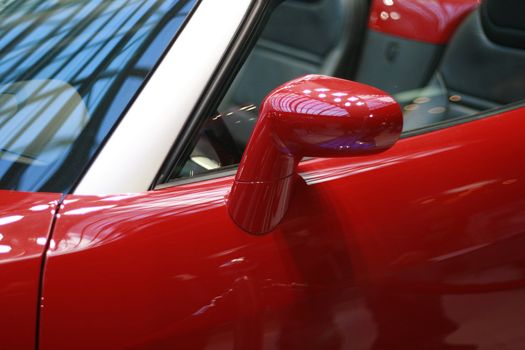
x: 68, y: 71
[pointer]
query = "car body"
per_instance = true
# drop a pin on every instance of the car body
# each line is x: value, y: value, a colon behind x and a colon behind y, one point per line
x: 417, y: 247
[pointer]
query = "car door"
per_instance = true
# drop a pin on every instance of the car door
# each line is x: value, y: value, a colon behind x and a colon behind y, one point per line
x: 422, y: 244
x: 25, y: 226
x: 416, y: 247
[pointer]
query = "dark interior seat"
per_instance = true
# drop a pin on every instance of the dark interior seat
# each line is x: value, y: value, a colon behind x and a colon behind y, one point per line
x: 482, y: 68
x: 301, y: 37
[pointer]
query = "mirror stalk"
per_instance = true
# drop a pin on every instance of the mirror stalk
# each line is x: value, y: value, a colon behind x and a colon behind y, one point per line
x: 313, y: 116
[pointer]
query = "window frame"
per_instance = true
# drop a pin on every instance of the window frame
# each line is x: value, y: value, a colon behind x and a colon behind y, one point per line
x: 230, y: 65
x: 136, y: 150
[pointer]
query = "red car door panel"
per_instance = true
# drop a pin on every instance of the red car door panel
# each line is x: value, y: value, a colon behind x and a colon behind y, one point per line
x: 418, y: 247
x: 25, y: 223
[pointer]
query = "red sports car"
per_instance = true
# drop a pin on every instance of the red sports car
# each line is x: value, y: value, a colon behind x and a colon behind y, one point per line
x: 261, y: 174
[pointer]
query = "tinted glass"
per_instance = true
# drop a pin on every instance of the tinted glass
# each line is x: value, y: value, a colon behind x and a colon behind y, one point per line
x: 300, y: 38
x: 68, y: 71
x: 436, y: 86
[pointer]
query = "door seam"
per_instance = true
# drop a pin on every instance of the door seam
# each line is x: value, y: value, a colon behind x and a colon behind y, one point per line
x: 43, y: 262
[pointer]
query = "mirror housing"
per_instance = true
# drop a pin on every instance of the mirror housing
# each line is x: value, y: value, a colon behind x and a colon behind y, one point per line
x: 313, y: 116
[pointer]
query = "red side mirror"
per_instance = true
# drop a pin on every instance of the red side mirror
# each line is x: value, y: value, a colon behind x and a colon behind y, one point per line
x: 313, y: 116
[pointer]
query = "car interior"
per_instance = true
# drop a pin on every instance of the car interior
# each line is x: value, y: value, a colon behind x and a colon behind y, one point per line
x: 481, y: 68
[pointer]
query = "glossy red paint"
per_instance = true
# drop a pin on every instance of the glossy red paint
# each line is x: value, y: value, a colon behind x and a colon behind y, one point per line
x: 418, y: 247
x: 431, y: 21
x: 312, y: 116
x: 25, y: 222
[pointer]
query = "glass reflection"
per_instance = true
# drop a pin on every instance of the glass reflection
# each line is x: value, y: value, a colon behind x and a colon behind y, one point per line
x: 68, y: 70
x: 292, y: 103
x: 102, y: 229
x: 10, y: 219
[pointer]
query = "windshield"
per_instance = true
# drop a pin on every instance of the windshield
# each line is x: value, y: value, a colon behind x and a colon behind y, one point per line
x: 68, y: 71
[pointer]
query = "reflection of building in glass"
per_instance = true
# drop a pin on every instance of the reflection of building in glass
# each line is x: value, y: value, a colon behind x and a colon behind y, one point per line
x: 68, y: 70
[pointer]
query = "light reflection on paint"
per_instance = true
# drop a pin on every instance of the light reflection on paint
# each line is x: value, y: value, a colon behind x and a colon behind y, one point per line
x: 87, y: 210
x: 10, y: 219
x: 100, y: 231
x: 39, y: 207
x: 5, y: 249
x: 320, y: 176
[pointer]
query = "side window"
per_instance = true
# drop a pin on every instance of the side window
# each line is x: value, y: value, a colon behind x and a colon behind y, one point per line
x: 301, y: 37
x: 476, y: 72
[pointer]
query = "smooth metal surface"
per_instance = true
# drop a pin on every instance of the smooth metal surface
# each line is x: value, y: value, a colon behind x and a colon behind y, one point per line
x: 25, y: 223
x: 418, y: 247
